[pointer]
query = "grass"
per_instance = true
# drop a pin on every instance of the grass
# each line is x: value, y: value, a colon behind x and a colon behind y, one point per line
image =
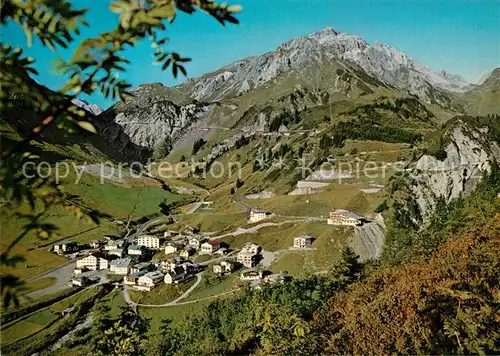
x: 212, y: 222
x: 176, y: 314
x: 28, y: 326
x: 117, y: 200
x: 38, y: 284
x: 162, y: 294
x: 114, y: 301
x: 319, y: 204
x: 35, y: 250
x: 203, y: 290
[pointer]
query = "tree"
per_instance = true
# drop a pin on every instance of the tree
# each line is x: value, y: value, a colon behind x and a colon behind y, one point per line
x: 124, y: 337
x: 197, y: 145
x: 93, y: 67
x: 348, y: 269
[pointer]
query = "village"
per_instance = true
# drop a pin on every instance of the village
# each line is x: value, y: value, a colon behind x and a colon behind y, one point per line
x: 173, y: 257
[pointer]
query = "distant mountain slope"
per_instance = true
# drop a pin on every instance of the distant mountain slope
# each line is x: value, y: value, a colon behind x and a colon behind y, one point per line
x: 484, y: 98
x: 55, y: 144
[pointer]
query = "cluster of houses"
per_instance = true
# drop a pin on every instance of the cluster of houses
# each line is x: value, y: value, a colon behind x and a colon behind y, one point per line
x: 134, y: 262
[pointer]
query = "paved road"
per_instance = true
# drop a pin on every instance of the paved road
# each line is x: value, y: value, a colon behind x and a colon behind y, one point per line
x: 62, y: 275
x: 126, y: 297
x: 195, y: 207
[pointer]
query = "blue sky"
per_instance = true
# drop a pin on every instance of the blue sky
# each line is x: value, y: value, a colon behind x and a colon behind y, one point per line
x: 459, y: 36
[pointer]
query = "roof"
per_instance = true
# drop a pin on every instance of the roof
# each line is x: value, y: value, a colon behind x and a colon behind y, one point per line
x: 154, y: 274
x: 347, y: 213
x: 142, y: 264
x: 258, y: 212
x: 304, y: 237
x: 135, y: 247
x: 250, y: 271
x: 250, y: 243
x: 65, y: 242
x: 247, y: 253
x: 214, y: 242
x: 137, y: 274
x: 121, y: 262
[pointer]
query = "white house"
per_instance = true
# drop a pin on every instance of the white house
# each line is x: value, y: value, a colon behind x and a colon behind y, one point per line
x: 93, y: 263
x: 139, y: 267
x: 133, y: 278
x: 135, y: 250
x: 186, y: 252
x: 175, y: 276
x: 150, y: 279
x: 65, y: 247
x: 223, y: 267
x: 251, y: 275
x: 114, y: 244
x: 303, y: 241
x: 247, y: 259
x: 170, y: 248
x: 210, y: 246
x: 258, y: 215
x: 344, y: 217
x: 149, y: 241
x: 95, y: 244
x: 195, y: 242
x: 120, y: 266
x: 119, y: 252
x: 251, y: 247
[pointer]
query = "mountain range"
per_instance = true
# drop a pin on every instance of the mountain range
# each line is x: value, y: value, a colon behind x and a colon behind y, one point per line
x: 326, y: 67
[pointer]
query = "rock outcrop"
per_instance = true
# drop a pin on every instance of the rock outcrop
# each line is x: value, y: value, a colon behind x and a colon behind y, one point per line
x: 470, y: 152
x: 368, y: 239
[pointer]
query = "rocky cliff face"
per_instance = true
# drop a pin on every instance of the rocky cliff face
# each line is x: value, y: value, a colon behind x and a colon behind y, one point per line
x: 368, y: 239
x: 469, y: 155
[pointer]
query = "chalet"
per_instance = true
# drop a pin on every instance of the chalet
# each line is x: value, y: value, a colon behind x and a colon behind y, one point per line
x: 95, y: 244
x: 195, y: 241
x: 139, y: 267
x: 93, y: 262
x: 222, y: 251
x: 114, y: 244
x: 167, y: 265
x: 81, y: 281
x: 258, y: 215
x: 251, y: 247
x: 251, y: 275
x: 344, y: 217
x: 187, y: 252
x: 247, y: 259
x: 177, y: 275
x: 274, y: 278
x: 150, y: 279
x: 133, y: 278
x: 136, y: 250
x: 303, y: 241
x: 223, y: 267
x: 149, y: 241
x: 170, y: 248
x: 120, y: 266
x: 210, y: 246
x: 118, y: 252
x: 65, y: 246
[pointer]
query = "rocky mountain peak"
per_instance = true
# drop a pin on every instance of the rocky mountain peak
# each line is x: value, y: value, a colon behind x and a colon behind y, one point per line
x: 91, y: 108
